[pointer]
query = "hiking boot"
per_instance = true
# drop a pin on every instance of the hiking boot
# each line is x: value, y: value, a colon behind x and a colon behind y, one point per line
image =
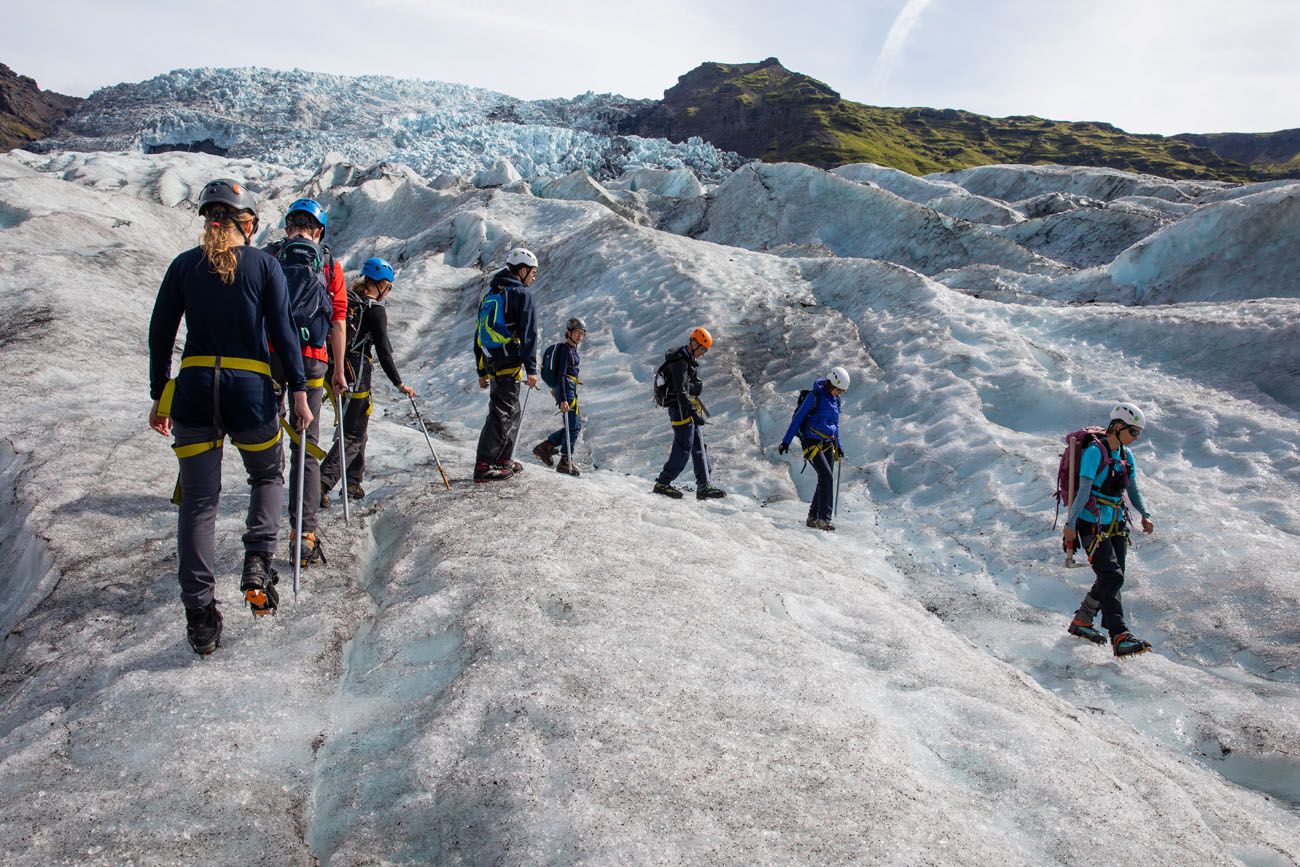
x: 821, y: 524
x: 1127, y: 644
x: 203, y: 628
x: 709, y: 492
x: 486, y: 473
x: 258, y: 584
x: 1082, y: 627
x: 311, y: 549
x: 355, y: 492
x: 545, y: 452
x: 567, y: 468
x: 666, y: 490
x: 324, y: 498
x: 514, y: 467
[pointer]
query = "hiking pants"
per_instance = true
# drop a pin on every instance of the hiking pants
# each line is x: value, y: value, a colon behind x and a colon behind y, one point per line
x: 315, y: 371
x: 823, y: 499
x: 356, y: 423
x: 574, y: 422
x: 200, y: 481
x: 1108, y: 564
x: 686, y: 443
x: 497, y: 441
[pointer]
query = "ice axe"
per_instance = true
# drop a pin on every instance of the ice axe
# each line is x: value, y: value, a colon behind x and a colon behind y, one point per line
x: 297, y: 536
x: 429, y: 441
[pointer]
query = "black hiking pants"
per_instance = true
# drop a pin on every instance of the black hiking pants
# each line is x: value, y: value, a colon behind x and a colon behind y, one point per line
x: 687, y: 445
x: 200, y: 483
x: 1108, y: 565
x: 823, y: 499
x: 356, y: 425
x: 497, y: 441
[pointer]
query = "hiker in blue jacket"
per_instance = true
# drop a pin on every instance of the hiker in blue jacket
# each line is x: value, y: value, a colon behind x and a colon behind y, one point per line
x: 505, y: 350
x: 233, y: 297
x: 1098, y: 523
x: 566, y: 398
x: 817, y: 423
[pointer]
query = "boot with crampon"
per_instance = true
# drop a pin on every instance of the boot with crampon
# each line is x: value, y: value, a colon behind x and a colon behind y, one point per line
x: 258, y: 584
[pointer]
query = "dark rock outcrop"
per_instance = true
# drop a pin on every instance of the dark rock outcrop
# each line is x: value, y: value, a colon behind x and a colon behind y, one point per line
x: 28, y: 113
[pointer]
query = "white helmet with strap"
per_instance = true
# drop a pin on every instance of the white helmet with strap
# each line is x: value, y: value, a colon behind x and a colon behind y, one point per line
x: 521, y: 256
x: 839, y: 378
x: 1129, y: 414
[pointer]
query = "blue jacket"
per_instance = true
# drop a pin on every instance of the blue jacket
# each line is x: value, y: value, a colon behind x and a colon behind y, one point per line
x: 522, y: 322
x: 230, y: 320
x: 818, y: 416
x: 566, y: 373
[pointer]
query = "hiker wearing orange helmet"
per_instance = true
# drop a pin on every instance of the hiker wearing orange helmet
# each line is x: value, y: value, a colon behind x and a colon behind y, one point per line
x: 678, y: 387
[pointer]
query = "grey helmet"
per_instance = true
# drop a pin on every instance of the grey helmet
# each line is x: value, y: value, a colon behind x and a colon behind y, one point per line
x: 577, y: 323
x: 226, y: 191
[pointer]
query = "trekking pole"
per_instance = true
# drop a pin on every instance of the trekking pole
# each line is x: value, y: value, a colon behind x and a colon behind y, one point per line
x: 523, y: 409
x: 568, y: 444
x: 835, y: 500
x: 343, y: 453
x: 430, y: 442
x: 297, y: 539
x: 839, y: 474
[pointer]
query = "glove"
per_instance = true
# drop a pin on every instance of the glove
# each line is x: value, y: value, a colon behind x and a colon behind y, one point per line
x: 783, y: 448
x: 695, y: 389
x: 839, y: 452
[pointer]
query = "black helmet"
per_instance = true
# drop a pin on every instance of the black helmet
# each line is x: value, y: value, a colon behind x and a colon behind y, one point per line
x: 228, y: 192
x: 577, y: 324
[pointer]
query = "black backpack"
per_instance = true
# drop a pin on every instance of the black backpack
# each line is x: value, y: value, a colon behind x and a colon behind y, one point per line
x: 550, y: 369
x: 803, y: 395
x: 661, y: 384
x: 304, y: 263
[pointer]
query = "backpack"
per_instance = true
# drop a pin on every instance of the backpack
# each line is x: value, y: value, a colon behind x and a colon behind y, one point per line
x: 304, y: 263
x: 661, y: 384
x: 1067, y: 472
x: 803, y: 395
x: 493, y: 333
x: 356, y: 312
x: 550, y: 367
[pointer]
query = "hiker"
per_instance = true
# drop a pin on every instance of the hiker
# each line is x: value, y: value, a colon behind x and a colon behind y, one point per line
x: 318, y: 302
x: 686, y: 412
x: 563, y: 361
x: 1097, y: 522
x: 232, y: 297
x: 817, y: 422
x: 367, y: 329
x: 505, y: 349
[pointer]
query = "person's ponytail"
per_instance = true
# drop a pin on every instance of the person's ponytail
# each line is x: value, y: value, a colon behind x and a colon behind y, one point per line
x: 219, y: 248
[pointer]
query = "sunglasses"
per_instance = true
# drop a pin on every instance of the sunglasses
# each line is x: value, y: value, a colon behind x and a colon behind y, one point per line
x: 1134, y: 432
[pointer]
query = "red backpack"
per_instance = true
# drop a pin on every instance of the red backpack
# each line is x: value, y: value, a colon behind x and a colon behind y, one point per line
x: 1067, y: 474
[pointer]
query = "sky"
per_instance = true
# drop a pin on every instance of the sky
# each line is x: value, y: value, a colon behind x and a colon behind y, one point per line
x: 1161, y: 66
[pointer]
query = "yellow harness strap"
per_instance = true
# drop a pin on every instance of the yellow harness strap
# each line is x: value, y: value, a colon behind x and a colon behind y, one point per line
x: 312, y: 449
x: 192, y: 449
x: 683, y: 421
x: 516, y: 372
x: 169, y: 390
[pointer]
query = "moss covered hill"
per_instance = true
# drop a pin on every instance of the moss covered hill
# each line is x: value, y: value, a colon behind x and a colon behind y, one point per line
x: 766, y: 111
x: 28, y: 113
x: 1277, y: 152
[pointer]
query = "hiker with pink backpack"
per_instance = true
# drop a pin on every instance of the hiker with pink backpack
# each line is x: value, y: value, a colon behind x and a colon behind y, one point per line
x: 1098, y: 464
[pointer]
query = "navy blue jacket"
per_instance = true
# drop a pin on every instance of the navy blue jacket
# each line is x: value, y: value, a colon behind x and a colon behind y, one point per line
x: 682, y: 380
x: 818, y: 416
x: 522, y: 322
x: 231, y: 320
x: 566, y: 366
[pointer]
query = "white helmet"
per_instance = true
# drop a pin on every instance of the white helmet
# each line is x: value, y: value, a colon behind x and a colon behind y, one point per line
x: 520, y: 256
x: 1129, y: 414
x: 839, y: 378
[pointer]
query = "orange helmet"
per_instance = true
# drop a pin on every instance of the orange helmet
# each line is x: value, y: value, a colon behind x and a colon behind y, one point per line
x: 702, y: 336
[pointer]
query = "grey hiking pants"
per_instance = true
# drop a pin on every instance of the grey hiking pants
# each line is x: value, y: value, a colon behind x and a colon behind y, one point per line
x: 497, y: 441
x: 200, y: 483
x: 315, y: 371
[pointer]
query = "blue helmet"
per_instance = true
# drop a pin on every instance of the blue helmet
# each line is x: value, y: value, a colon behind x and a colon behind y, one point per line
x: 311, y: 207
x: 377, y: 269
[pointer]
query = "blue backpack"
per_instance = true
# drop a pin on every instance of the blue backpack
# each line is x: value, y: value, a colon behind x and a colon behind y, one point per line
x: 304, y: 263
x: 493, y: 332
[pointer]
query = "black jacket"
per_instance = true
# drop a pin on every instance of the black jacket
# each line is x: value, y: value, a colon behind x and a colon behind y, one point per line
x: 682, y: 380
x: 372, y: 333
x: 522, y: 322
